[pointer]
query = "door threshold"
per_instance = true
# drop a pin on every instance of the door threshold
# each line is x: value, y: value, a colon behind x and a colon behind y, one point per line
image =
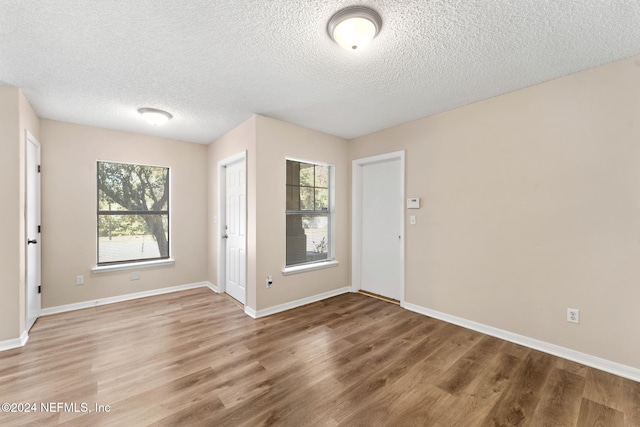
x: 380, y: 297
x: 233, y: 300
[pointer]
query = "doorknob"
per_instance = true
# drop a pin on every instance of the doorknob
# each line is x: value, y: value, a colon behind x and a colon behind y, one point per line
x: 29, y: 241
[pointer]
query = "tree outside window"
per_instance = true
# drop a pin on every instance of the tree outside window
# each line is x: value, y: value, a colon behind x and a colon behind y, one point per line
x: 133, y: 212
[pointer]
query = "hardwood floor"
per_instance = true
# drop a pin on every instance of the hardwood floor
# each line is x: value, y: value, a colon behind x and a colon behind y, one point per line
x: 194, y: 358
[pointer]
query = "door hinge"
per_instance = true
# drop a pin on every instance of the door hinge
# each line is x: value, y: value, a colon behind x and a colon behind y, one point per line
x: 39, y: 228
x: 39, y: 289
x: 38, y: 168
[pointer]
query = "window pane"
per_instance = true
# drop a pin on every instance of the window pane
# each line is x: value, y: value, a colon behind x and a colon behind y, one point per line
x: 307, y: 233
x: 322, y: 199
x: 293, y: 198
x: 322, y: 176
x: 307, y: 199
x: 307, y: 238
x: 293, y: 173
x: 307, y: 177
x: 129, y: 237
x: 133, y: 212
x: 125, y: 187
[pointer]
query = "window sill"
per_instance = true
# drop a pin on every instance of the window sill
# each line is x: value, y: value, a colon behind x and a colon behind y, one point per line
x: 132, y: 265
x: 308, y: 267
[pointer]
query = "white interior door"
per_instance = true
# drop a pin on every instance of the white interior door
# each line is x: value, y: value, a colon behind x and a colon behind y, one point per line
x: 235, y: 226
x: 32, y: 293
x: 381, y: 227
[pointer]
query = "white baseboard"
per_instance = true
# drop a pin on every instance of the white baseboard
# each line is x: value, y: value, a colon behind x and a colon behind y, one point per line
x: 555, y: 350
x: 294, y: 304
x: 120, y: 298
x: 14, y: 343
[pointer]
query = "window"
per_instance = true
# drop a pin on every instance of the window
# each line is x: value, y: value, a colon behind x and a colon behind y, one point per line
x: 309, y: 213
x: 133, y: 213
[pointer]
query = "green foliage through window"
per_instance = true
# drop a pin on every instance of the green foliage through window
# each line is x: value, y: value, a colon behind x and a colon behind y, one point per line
x: 133, y: 212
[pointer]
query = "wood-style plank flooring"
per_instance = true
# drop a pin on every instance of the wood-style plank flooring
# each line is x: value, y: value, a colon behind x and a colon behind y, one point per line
x: 194, y: 358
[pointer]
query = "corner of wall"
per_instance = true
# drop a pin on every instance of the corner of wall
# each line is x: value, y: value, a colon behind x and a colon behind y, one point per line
x: 239, y: 139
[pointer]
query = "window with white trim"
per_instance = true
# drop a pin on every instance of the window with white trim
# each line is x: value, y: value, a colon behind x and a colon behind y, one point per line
x: 132, y: 213
x: 309, y: 213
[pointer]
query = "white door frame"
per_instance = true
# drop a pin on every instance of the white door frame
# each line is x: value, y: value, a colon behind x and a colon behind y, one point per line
x: 30, y: 165
x: 222, y: 217
x: 356, y: 217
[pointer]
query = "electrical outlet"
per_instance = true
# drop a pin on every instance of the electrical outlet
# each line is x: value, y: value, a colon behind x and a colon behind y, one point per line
x: 134, y: 275
x: 269, y: 281
x: 573, y: 315
x: 79, y: 280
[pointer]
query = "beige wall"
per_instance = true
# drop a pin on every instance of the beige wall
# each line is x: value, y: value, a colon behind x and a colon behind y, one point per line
x: 69, y: 155
x: 242, y: 138
x: 531, y: 204
x: 10, y: 219
x: 277, y: 140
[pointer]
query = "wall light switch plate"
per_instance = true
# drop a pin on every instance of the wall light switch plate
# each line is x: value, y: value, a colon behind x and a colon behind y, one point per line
x: 413, y: 203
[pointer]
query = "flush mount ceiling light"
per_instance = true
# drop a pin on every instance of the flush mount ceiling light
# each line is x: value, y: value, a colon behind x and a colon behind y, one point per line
x: 154, y: 116
x: 354, y: 27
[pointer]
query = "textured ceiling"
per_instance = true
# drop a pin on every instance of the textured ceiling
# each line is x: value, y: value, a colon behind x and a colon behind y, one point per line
x: 212, y: 64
